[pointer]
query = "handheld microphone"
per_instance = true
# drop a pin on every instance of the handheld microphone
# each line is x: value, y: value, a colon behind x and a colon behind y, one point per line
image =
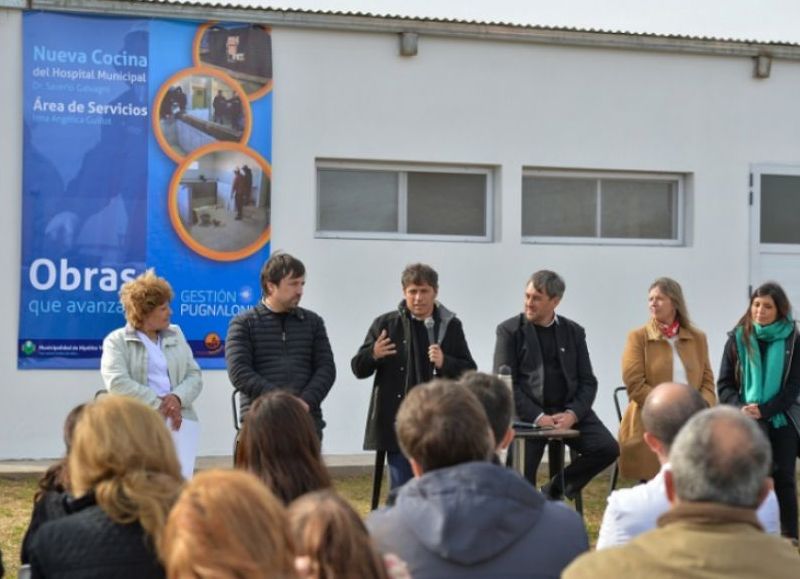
x: 429, y: 325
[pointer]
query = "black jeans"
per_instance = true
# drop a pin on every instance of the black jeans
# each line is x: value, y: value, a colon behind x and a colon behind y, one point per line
x: 784, y: 442
x: 597, y: 448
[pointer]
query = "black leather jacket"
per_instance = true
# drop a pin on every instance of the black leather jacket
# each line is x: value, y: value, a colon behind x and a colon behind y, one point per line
x: 394, y: 375
x: 517, y: 347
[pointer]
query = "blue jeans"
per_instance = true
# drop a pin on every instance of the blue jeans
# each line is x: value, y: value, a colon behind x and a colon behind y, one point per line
x: 399, y: 469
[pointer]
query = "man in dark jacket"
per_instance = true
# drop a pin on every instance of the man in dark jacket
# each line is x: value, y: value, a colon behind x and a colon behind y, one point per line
x: 405, y: 347
x: 278, y: 345
x: 220, y: 103
x: 463, y: 516
x: 554, y: 386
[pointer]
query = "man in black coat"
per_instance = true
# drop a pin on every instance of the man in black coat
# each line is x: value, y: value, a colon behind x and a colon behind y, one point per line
x: 220, y: 104
x: 403, y: 348
x: 280, y: 346
x: 554, y: 386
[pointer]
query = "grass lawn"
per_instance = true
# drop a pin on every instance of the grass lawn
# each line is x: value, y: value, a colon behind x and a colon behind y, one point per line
x: 16, y: 497
x: 16, y: 502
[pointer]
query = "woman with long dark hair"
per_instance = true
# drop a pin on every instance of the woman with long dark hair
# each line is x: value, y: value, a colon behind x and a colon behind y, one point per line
x: 760, y: 374
x: 279, y: 444
x: 49, y: 502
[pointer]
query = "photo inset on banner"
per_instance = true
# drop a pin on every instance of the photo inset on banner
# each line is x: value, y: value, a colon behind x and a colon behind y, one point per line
x: 223, y: 204
x: 197, y: 109
x: 242, y: 51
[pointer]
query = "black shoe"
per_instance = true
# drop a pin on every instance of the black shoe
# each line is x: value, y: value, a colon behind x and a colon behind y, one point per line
x: 552, y: 493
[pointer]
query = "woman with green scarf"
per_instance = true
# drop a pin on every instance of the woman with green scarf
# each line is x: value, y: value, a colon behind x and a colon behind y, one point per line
x: 760, y: 374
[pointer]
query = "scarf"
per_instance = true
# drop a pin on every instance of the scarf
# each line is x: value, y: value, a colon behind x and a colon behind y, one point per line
x: 762, y: 376
x: 669, y: 330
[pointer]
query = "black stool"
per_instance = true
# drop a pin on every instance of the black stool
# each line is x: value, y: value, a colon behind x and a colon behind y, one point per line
x: 555, y: 452
x: 555, y: 459
x: 237, y: 420
x: 618, y: 406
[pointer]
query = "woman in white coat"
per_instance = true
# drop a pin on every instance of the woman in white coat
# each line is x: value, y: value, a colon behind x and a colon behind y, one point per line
x: 149, y: 359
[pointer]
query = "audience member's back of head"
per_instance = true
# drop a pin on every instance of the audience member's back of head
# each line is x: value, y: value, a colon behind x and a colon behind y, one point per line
x: 55, y: 478
x: 279, y: 445
x: 123, y: 452
x: 331, y: 540
x: 720, y: 456
x: 227, y: 524
x: 668, y: 408
x: 496, y: 399
x: 441, y: 424
x: 49, y: 503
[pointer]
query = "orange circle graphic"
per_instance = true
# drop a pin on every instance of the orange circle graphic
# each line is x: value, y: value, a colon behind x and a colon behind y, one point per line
x: 198, y: 38
x: 175, y: 218
x: 197, y: 71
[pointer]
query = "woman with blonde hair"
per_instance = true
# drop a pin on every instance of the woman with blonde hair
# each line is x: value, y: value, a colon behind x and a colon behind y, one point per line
x: 668, y: 348
x: 149, y: 359
x: 279, y: 444
x: 125, y: 476
x: 227, y: 524
x: 332, y: 541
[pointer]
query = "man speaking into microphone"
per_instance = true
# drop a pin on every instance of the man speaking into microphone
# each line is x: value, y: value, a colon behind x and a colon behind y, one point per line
x: 407, y: 346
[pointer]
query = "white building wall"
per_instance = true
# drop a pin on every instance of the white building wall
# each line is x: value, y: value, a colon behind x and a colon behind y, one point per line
x: 505, y: 105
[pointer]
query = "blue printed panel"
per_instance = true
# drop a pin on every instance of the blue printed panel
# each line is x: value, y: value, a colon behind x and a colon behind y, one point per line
x: 130, y: 163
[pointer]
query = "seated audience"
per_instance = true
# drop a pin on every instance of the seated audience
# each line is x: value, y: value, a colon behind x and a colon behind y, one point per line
x: 635, y: 510
x: 125, y: 475
x: 279, y: 444
x: 49, y: 502
x: 227, y: 524
x: 719, y: 467
x: 498, y: 403
x: 332, y: 542
x: 462, y: 515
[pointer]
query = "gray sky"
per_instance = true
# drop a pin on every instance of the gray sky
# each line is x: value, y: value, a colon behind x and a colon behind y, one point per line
x: 741, y: 19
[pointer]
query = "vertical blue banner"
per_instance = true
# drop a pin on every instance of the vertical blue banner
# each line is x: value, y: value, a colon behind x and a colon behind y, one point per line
x: 147, y: 143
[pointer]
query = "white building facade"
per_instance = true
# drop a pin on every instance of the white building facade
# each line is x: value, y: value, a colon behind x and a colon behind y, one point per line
x: 492, y: 152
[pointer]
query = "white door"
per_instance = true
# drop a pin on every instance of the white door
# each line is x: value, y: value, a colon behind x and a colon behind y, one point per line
x: 775, y: 228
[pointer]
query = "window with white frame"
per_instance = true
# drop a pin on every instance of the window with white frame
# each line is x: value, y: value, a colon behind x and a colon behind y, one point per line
x: 602, y: 207
x: 365, y: 200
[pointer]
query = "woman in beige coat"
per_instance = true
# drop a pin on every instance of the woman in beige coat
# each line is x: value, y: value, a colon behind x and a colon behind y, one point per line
x: 668, y: 348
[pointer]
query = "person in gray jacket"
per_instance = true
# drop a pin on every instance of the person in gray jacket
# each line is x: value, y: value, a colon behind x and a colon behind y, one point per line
x: 462, y: 516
